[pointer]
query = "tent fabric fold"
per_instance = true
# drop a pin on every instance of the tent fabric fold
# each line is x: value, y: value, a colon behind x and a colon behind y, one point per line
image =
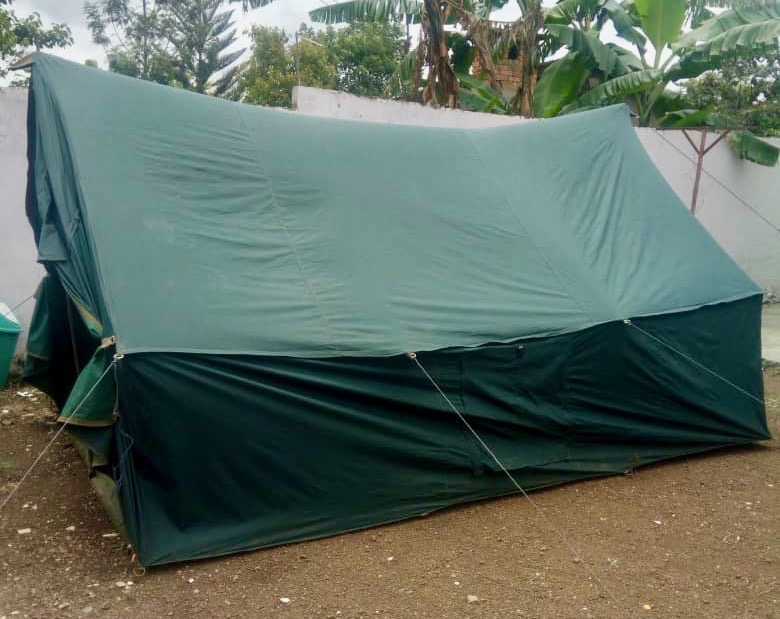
x: 264, y: 273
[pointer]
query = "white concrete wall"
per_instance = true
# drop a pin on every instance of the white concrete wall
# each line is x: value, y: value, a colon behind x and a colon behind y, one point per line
x: 734, y: 195
x: 333, y: 104
x: 738, y: 201
x: 19, y: 271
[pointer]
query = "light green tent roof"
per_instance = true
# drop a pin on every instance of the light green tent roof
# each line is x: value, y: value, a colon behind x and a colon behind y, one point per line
x: 220, y: 227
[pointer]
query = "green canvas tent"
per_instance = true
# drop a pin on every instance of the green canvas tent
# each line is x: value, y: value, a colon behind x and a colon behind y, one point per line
x: 241, y: 286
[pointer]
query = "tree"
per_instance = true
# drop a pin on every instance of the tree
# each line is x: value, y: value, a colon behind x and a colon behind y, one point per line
x: 176, y: 42
x: 200, y: 35
x: 133, y: 36
x: 444, y: 52
x: 365, y: 55
x: 19, y: 35
x: 433, y: 50
x: 271, y: 73
x: 359, y: 59
x: 744, y: 91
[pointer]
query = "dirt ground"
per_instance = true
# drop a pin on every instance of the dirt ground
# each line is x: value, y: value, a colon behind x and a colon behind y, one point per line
x: 694, y: 537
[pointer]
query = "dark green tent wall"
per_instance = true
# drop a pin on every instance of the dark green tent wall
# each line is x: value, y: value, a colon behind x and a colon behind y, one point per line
x: 261, y: 276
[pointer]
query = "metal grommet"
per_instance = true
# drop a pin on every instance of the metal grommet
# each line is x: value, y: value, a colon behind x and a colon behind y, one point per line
x: 412, y: 355
x: 118, y: 356
x: 627, y: 321
x: 136, y: 567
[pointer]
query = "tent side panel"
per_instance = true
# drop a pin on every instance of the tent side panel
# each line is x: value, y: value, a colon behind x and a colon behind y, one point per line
x: 229, y: 453
x: 55, y: 206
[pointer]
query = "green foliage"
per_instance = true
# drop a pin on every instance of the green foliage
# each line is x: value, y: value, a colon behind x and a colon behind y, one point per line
x: 463, y: 52
x: 376, y: 11
x: 559, y: 84
x: 176, y: 42
x: 661, y: 21
x: 20, y: 35
x: 687, y: 117
x: 476, y: 95
x: 614, y: 90
x: 587, y: 45
x: 744, y: 91
x: 360, y: 59
x: 694, y: 53
x: 199, y: 34
x: 401, y: 80
x: 577, y: 26
x: 365, y: 56
x: 738, y: 30
x: 155, y: 67
x: 751, y: 148
x: 739, y: 44
x: 270, y: 75
x: 133, y: 36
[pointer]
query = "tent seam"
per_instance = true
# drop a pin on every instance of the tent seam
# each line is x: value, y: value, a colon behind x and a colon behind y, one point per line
x: 508, y: 202
x: 278, y: 207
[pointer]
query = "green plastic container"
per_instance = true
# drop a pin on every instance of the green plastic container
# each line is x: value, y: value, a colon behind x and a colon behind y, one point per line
x: 9, y: 334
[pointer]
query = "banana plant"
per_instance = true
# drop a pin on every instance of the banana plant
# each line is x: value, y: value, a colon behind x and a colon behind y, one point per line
x: 478, y: 96
x: 577, y: 26
x: 384, y: 11
x: 640, y: 77
x: 678, y: 56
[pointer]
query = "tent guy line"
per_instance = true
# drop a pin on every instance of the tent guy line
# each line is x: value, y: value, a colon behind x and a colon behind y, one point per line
x: 696, y: 363
x: 53, y: 439
x: 540, y: 512
x: 11, y: 311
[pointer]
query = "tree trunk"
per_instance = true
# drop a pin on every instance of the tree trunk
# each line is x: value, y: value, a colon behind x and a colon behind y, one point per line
x: 145, y: 68
x: 442, y: 88
x: 480, y: 32
x: 528, y: 54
